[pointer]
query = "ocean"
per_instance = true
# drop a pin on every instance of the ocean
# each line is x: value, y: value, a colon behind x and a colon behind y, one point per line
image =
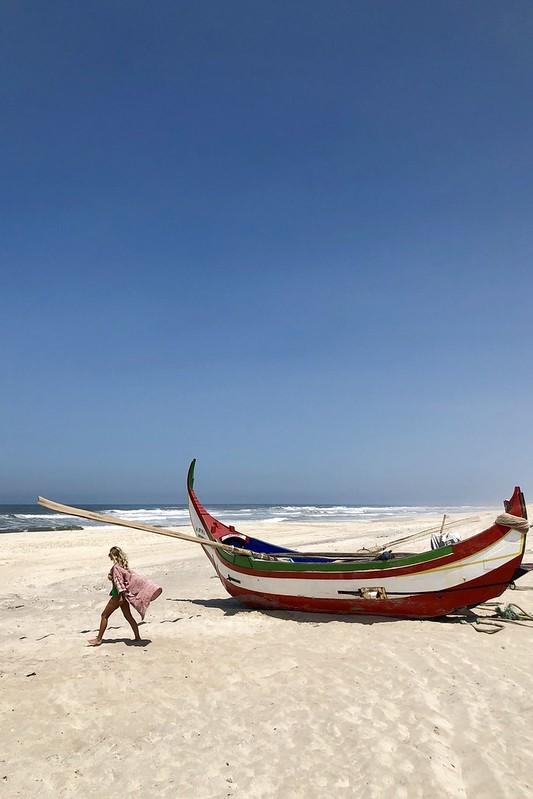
x: 24, y: 518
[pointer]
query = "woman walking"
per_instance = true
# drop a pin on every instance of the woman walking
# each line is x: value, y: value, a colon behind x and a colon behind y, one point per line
x: 128, y: 589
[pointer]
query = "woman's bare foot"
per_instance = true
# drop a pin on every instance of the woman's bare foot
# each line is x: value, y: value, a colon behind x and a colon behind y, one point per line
x: 94, y: 642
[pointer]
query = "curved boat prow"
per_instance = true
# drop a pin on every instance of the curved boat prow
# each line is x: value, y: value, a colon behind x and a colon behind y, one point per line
x: 206, y: 526
x: 196, y: 511
x: 190, y: 475
x: 517, y: 504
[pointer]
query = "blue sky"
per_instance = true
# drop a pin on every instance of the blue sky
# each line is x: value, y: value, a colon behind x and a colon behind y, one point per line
x: 293, y: 240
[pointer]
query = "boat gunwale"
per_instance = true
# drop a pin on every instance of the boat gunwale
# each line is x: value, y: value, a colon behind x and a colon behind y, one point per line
x: 333, y: 565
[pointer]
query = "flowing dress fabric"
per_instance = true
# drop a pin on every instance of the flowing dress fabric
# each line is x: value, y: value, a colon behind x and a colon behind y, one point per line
x: 138, y: 590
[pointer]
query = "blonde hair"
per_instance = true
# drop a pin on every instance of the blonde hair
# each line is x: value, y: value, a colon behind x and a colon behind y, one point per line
x: 119, y: 557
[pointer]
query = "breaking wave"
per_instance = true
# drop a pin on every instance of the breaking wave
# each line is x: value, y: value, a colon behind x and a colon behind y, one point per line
x: 24, y: 518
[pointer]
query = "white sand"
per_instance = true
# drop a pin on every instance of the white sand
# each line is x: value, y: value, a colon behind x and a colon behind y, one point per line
x: 226, y: 702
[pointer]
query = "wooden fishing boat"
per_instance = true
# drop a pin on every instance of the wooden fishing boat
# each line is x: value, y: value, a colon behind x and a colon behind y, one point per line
x: 426, y: 585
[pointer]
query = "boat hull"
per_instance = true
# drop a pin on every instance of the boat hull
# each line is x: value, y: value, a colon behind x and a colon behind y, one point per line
x: 427, y: 585
x: 433, y: 604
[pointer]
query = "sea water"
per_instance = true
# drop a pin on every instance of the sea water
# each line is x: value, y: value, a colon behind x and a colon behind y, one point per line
x: 24, y: 518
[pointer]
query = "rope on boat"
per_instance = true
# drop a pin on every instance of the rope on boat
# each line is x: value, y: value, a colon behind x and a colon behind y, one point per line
x: 516, y: 522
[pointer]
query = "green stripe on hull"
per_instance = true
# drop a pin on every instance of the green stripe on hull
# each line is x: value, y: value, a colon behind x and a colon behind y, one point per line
x: 346, y: 566
x: 190, y: 475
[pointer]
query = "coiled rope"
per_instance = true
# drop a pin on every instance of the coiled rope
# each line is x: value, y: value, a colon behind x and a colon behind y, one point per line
x: 516, y: 522
x: 510, y: 614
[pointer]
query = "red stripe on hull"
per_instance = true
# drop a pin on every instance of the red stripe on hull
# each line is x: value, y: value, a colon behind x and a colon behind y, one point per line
x: 419, y: 606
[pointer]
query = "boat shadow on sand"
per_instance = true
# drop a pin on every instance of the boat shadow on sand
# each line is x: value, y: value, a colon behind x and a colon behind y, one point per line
x: 232, y: 607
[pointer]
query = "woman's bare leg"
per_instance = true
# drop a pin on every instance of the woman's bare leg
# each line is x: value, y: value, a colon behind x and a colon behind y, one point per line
x: 110, y: 608
x: 125, y: 608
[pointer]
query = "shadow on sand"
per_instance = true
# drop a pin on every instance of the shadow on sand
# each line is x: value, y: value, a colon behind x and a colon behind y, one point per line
x: 232, y: 607
x: 127, y: 641
x: 110, y: 627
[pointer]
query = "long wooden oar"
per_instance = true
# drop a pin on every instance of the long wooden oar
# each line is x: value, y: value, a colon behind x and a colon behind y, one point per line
x: 147, y: 528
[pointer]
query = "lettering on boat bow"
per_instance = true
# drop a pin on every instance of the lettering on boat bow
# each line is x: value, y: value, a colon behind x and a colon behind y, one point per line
x: 199, y: 530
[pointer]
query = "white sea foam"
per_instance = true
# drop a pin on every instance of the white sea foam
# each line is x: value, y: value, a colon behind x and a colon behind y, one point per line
x: 19, y: 518
x: 42, y: 516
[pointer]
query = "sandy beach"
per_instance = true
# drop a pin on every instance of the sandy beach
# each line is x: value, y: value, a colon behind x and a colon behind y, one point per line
x: 221, y: 701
